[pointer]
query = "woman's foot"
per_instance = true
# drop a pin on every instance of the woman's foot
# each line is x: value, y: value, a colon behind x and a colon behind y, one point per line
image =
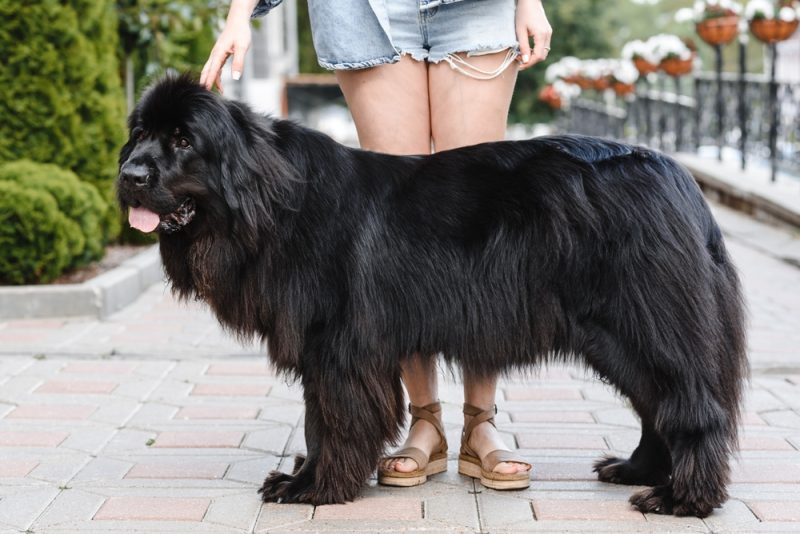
x: 484, y: 439
x: 423, y: 436
x: 423, y: 454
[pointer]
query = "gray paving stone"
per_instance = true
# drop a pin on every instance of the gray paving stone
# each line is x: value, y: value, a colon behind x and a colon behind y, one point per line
x: 253, y: 471
x: 500, y: 511
x: 733, y: 514
x: 19, y: 507
x: 275, y: 516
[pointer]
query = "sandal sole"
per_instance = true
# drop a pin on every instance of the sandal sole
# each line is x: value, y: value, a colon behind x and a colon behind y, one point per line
x: 414, y: 478
x: 512, y: 482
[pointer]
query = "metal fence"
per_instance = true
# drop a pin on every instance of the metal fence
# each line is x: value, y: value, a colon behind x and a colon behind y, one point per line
x: 674, y: 114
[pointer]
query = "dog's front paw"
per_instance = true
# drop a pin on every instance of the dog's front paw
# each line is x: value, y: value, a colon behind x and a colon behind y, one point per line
x: 619, y: 471
x: 275, y: 487
x: 662, y: 500
x: 656, y: 500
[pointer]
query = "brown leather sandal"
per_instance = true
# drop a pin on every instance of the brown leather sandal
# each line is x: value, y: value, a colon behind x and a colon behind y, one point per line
x: 427, y: 465
x: 471, y: 465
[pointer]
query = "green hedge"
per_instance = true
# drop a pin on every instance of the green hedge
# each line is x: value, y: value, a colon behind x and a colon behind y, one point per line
x: 60, y: 93
x: 79, y: 201
x: 36, y: 239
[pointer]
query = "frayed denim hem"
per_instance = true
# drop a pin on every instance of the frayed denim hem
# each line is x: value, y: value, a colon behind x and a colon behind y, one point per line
x: 358, y: 64
x: 476, y: 51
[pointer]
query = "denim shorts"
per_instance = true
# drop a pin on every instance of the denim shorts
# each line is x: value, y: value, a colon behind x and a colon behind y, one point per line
x: 356, y: 34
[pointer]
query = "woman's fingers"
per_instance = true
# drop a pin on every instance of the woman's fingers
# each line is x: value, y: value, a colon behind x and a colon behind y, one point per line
x: 541, y: 43
x: 524, y: 45
x: 212, y: 68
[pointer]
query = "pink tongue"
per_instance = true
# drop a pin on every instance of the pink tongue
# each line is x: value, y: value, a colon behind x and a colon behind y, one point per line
x: 143, y: 219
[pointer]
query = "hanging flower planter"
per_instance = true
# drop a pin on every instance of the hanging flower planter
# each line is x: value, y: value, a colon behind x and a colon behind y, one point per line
x: 719, y: 30
x: 624, y: 89
x: 549, y: 95
x: 643, y: 66
x: 773, y: 31
x: 675, y: 66
x: 601, y: 84
x: 772, y: 23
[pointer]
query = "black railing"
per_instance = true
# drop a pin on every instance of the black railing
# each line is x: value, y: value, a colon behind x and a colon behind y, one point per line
x: 674, y: 114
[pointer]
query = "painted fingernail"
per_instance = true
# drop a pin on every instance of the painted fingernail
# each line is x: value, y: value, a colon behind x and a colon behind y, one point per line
x: 237, y: 75
x: 525, y: 58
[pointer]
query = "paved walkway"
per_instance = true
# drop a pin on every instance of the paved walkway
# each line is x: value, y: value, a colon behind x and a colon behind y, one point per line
x: 155, y: 421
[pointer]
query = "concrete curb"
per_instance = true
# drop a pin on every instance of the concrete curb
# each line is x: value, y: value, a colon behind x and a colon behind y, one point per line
x: 722, y: 186
x: 99, y: 297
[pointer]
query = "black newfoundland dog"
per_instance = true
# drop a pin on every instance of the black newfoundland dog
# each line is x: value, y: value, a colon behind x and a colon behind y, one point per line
x: 500, y: 256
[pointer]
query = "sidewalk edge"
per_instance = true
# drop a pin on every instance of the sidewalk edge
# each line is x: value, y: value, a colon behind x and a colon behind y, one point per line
x: 98, y: 297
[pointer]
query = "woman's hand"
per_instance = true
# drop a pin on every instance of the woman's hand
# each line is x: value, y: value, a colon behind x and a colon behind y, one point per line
x: 233, y: 41
x: 531, y: 21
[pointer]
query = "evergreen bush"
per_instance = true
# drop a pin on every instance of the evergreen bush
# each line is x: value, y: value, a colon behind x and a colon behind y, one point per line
x: 60, y: 93
x: 35, y: 237
x: 79, y: 201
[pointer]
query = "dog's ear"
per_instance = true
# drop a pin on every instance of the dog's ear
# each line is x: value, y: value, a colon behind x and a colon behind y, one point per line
x: 253, y: 175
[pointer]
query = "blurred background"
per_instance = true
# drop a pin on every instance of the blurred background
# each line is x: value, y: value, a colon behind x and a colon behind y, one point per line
x: 696, y: 79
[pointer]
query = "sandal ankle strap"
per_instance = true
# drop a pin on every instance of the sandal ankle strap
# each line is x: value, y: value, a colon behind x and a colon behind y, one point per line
x: 432, y: 414
x: 478, y: 416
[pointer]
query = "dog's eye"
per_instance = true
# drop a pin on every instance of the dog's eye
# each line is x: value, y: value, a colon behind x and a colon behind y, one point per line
x: 138, y: 134
x: 183, y: 143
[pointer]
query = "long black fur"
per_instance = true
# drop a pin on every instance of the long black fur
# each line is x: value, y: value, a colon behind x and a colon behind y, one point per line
x: 501, y: 256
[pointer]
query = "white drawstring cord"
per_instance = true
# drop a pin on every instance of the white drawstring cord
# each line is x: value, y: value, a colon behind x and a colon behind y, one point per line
x: 462, y: 65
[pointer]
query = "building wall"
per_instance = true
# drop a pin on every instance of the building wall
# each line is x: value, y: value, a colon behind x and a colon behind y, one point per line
x: 272, y: 57
x: 788, y: 67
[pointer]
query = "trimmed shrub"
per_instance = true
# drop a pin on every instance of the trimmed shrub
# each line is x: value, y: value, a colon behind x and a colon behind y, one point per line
x: 35, y: 237
x: 79, y: 201
x: 60, y: 94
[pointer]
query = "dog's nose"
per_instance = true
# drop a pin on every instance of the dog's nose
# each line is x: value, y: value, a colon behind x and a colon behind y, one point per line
x: 135, y: 174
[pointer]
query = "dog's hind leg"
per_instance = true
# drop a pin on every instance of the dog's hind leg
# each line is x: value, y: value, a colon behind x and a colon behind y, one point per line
x: 351, y: 415
x: 698, y: 432
x: 649, y: 465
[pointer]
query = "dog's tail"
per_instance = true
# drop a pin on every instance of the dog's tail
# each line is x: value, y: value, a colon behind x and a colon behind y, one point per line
x: 732, y: 312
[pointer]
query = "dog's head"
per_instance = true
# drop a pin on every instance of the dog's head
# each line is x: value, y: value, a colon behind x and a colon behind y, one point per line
x: 196, y: 163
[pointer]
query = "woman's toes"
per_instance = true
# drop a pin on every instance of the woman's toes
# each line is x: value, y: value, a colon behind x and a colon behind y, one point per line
x: 505, y: 468
x: 405, y: 465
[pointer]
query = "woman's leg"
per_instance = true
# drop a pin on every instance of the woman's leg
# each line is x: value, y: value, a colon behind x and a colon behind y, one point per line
x: 391, y: 110
x: 390, y: 107
x: 466, y: 111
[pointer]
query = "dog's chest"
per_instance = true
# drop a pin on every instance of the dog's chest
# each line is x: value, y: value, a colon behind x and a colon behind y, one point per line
x: 201, y: 267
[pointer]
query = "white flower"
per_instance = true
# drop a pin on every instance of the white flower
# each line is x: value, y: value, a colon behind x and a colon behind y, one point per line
x: 564, y: 68
x: 665, y: 45
x: 625, y: 71
x: 634, y: 49
x: 759, y: 9
x: 787, y: 14
x: 685, y: 14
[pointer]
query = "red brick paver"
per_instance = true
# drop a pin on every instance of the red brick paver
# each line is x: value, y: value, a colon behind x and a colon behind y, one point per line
x: 203, y: 439
x: 552, y: 417
x: 31, y: 438
x: 16, y: 468
x: 232, y: 390
x: 52, y: 411
x: 152, y: 509
x: 239, y: 369
x: 777, y: 510
x: 72, y: 387
x: 529, y: 440
x: 561, y: 509
x: 383, y: 508
x: 217, y: 412
x: 111, y: 368
x: 169, y: 469
x: 518, y: 393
